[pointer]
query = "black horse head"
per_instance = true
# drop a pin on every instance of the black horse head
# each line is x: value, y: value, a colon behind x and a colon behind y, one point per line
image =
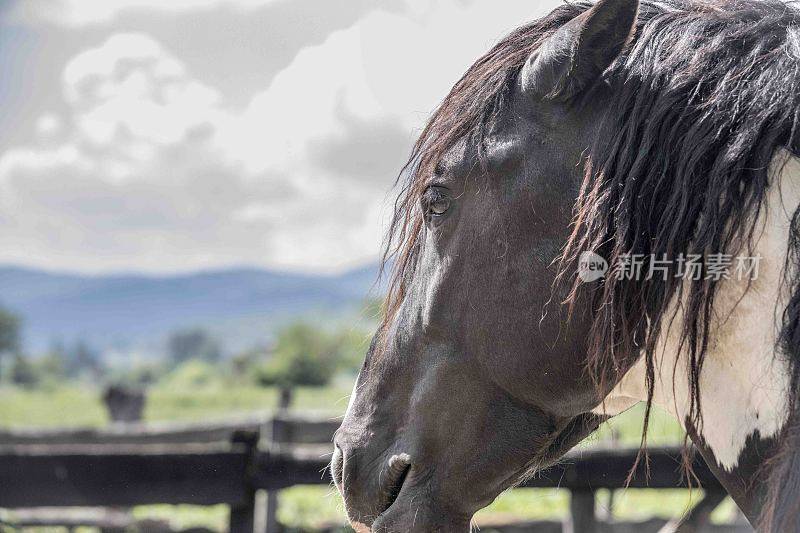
x: 609, y: 129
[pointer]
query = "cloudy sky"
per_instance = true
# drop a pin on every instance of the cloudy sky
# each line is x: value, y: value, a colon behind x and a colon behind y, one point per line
x: 176, y: 135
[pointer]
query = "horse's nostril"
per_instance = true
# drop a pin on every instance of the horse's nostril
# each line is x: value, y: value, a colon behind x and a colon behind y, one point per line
x: 398, y: 464
x: 399, y: 467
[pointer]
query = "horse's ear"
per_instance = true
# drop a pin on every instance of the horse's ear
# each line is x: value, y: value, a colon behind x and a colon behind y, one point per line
x: 580, y: 51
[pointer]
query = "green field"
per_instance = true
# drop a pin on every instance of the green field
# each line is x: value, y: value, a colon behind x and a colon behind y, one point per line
x: 305, y: 507
x: 81, y: 406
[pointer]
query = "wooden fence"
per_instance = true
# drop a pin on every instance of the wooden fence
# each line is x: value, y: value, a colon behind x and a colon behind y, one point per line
x: 227, y: 463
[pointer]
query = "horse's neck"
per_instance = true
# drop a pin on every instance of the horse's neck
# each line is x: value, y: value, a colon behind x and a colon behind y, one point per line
x: 743, y: 385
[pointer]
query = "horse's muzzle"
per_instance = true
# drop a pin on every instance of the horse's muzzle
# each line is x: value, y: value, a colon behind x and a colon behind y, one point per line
x: 369, y: 480
x: 382, y: 494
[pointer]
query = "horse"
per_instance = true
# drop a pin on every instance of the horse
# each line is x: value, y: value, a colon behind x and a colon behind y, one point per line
x: 566, y: 243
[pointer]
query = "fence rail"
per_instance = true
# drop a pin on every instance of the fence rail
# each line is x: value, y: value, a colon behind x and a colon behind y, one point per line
x: 285, y: 428
x: 205, y: 475
x: 223, y: 463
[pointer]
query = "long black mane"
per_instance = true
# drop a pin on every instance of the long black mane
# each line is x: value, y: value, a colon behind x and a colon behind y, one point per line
x: 704, y: 99
x: 706, y: 95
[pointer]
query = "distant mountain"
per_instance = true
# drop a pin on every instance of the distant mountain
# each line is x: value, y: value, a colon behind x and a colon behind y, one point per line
x: 242, y: 306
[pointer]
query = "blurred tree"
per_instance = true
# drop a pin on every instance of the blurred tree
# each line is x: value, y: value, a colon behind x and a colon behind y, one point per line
x: 144, y: 374
x: 23, y: 372
x: 192, y: 374
x: 9, y: 331
x: 307, y: 355
x: 138, y: 374
x: 51, y: 366
x: 352, y: 346
x: 192, y: 344
x: 81, y: 360
x: 9, y: 338
x: 242, y: 364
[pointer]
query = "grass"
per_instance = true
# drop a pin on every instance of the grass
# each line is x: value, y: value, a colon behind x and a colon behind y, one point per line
x: 218, y: 400
x: 81, y: 406
x: 186, y: 516
x: 62, y: 406
x: 307, y: 507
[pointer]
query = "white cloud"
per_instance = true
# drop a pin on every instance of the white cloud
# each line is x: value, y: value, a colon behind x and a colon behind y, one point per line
x: 102, y: 62
x: 48, y: 125
x: 77, y: 13
x: 131, y: 84
x: 300, y: 105
x: 149, y: 168
x: 156, y: 175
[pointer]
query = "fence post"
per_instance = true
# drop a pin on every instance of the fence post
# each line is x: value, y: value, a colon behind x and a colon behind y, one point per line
x: 242, y: 517
x: 124, y: 405
x: 285, y: 399
x: 279, y: 433
x: 582, y: 512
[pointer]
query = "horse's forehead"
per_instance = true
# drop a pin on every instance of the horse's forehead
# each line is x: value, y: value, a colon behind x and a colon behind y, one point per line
x: 497, y: 148
x: 456, y: 159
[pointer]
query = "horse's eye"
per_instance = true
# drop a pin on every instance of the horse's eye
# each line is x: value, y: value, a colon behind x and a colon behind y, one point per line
x: 437, y: 202
x: 440, y: 207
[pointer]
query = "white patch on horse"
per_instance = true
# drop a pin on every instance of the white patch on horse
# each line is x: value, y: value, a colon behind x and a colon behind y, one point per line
x: 743, y: 386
